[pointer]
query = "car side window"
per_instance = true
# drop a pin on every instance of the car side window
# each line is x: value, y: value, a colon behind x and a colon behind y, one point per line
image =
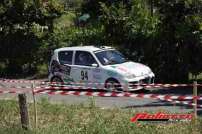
x: 65, y: 57
x: 84, y: 58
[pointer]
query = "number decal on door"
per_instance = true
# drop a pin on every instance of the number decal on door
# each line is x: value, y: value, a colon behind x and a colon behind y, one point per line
x: 84, y: 75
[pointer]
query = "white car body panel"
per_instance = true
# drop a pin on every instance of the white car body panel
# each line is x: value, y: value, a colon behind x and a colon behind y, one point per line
x: 100, y: 74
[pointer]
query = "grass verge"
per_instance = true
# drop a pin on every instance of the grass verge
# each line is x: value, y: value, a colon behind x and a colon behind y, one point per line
x: 80, y: 119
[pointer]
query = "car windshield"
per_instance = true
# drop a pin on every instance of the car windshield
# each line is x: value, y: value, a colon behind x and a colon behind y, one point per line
x: 110, y: 57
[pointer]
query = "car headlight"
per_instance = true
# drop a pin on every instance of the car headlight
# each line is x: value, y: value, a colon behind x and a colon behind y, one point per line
x: 130, y: 76
x: 150, y: 71
x: 151, y: 74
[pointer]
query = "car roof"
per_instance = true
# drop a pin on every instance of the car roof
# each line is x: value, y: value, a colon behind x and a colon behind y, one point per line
x: 84, y: 48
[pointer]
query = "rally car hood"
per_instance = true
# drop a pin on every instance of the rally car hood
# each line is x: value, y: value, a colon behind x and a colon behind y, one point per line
x: 134, y: 68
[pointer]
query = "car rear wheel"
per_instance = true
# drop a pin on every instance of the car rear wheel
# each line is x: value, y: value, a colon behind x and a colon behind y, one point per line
x: 56, y: 79
x: 112, y: 85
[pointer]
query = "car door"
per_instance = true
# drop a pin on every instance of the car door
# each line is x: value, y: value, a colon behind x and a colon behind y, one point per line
x: 64, y: 65
x: 84, y: 63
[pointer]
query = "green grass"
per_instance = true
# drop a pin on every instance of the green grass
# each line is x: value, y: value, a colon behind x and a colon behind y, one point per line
x: 84, y: 119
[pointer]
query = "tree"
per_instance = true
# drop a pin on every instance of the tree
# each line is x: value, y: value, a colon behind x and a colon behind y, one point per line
x: 23, y: 23
x: 178, y: 44
x: 130, y: 28
x: 169, y: 40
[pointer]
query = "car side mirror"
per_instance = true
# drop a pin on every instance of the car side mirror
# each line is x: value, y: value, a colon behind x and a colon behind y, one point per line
x: 94, y: 65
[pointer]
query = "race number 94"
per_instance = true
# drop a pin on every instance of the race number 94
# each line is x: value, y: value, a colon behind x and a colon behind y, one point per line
x: 84, y: 75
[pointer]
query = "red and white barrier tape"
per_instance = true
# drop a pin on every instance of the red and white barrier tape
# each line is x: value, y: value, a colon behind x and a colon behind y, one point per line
x: 14, y: 91
x: 113, y: 94
x: 124, y: 94
x: 123, y: 85
x: 20, y: 81
x: 182, y: 102
x: 22, y: 87
x: 157, y: 85
x: 68, y: 87
x: 167, y: 97
x: 165, y: 85
x: 87, y: 86
x: 174, y: 97
x: 108, y: 94
x: 71, y: 87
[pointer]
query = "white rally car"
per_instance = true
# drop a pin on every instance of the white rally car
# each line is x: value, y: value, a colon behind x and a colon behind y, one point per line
x: 104, y: 65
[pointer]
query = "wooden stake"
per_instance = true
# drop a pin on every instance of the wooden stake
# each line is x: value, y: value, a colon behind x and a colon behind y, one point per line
x: 23, y: 111
x: 35, y: 108
x: 195, y: 99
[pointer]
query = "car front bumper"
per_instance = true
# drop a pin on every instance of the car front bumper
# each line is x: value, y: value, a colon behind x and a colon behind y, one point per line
x: 135, y: 84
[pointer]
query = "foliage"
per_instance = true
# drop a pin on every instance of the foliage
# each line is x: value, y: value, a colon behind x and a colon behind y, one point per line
x: 178, y: 44
x: 168, y: 40
x: 129, y: 28
x: 23, y: 23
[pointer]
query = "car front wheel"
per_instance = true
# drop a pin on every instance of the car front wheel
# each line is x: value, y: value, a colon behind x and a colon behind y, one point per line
x: 112, y: 85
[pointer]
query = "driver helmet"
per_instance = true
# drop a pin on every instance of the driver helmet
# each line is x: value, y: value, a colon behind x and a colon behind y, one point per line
x: 82, y: 57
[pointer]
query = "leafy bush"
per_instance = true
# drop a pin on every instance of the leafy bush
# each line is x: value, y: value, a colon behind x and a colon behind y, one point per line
x: 168, y: 40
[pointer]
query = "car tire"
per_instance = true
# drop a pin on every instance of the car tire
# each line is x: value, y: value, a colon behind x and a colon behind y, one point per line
x: 112, y: 85
x: 56, y: 79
